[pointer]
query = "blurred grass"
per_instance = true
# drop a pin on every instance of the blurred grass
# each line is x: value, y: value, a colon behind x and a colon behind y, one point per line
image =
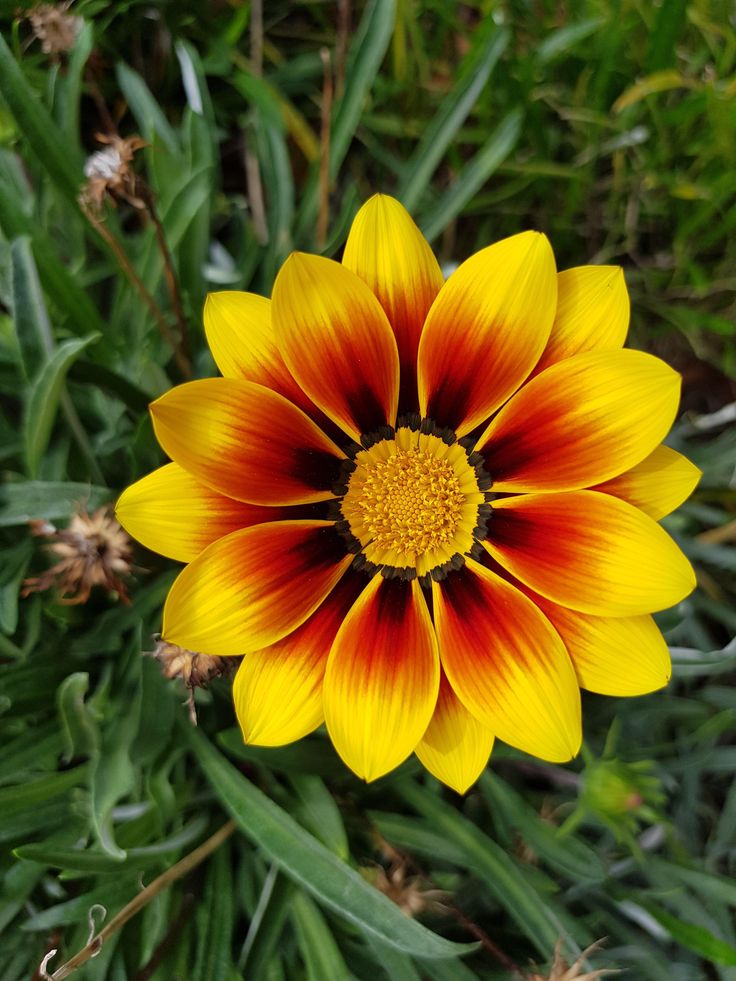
x: 611, y: 127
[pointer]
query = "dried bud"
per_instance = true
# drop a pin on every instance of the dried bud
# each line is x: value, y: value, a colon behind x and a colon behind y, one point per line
x: 109, y: 173
x: 56, y: 29
x: 562, y: 971
x: 410, y: 893
x: 194, y: 669
x: 93, y: 551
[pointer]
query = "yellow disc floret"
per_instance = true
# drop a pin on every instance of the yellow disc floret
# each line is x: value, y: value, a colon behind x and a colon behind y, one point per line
x: 412, y: 501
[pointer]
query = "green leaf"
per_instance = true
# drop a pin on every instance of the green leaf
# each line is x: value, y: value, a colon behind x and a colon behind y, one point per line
x: 561, y: 41
x: 319, y: 951
x: 503, y: 878
x: 309, y: 863
x: 319, y: 812
x: 148, y: 114
x: 28, y: 500
x: 26, y: 796
x: 81, y: 733
x: 455, y: 108
x: 12, y: 573
x: 35, y: 122
x: 693, y: 937
x: 44, y: 396
x: 61, y: 285
x: 266, y: 924
x: 31, y: 321
x: 214, y: 918
x: 365, y: 56
x: 474, y: 174
x: 568, y: 856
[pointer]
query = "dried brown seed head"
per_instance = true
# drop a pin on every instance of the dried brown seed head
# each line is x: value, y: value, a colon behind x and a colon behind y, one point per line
x: 55, y: 27
x: 93, y: 550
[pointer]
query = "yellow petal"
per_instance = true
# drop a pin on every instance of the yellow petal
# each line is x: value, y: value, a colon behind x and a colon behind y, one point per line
x: 382, y: 677
x: 278, y: 690
x: 389, y: 253
x: 657, y: 485
x: 337, y: 342
x: 172, y: 513
x: 506, y: 663
x: 581, y: 421
x: 455, y: 748
x: 590, y: 552
x: 592, y: 313
x: 247, y: 442
x: 255, y: 586
x: 612, y: 655
x: 243, y: 344
x: 486, y: 330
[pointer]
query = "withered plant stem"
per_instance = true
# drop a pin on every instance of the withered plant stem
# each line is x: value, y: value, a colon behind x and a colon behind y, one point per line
x: 172, y: 282
x: 182, y: 362
x: 178, y: 871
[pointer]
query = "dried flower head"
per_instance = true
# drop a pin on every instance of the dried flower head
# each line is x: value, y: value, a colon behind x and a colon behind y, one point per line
x: 562, y: 971
x: 93, y: 551
x: 110, y: 175
x: 194, y: 669
x: 411, y: 893
x: 55, y: 28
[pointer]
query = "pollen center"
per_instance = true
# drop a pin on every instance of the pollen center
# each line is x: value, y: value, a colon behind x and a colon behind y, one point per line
x: 413, y: 502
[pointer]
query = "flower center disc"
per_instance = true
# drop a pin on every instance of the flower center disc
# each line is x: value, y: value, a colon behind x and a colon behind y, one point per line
x: 413, y: 501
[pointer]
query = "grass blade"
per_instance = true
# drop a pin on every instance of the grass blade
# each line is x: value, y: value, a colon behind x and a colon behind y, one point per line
x: 451, y: 115
x: 309, y: 863
x: 474, y: 174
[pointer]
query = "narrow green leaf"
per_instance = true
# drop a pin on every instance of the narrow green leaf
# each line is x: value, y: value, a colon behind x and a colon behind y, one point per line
x: 24, y: 797
x: 693, y: 937
x: 215, y: 915
x: 319, y: 812
x: 28, y: 500
x: 569, y: 856
x: 474, y: 174
x: 12, y: 573
x: 266, y: 925
x: 31, y: 321
x: 148, y: 114
x: 367, y: 51
x: 79, y: 725
x: 72, y: 92
x: 321, y: 956
x: 60, y: 285
x: 451, y: 115
x: 43, y: 400
x: 503, y: 878
x: 22, y: 754
x: 309, y: 863
x: 560, y: 41
x: 87, y: 860
x: 35, y: 122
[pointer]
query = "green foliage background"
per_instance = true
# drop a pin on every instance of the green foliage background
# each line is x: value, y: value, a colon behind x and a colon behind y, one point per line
x: 611, y: 126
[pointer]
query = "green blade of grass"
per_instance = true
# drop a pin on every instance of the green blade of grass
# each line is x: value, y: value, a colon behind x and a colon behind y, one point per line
x: 34, y: 121
x: 309, y: 863
x: 451, y: 115
x: 474, y: 174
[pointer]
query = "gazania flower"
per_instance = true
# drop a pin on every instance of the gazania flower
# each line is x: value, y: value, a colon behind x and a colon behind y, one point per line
x: 424, y: 511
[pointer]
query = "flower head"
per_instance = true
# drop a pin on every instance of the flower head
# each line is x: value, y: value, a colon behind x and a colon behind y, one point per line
x: 55, y: 28
x: 425, y: 511
x: 93, y: 550
x: 110, y: 174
